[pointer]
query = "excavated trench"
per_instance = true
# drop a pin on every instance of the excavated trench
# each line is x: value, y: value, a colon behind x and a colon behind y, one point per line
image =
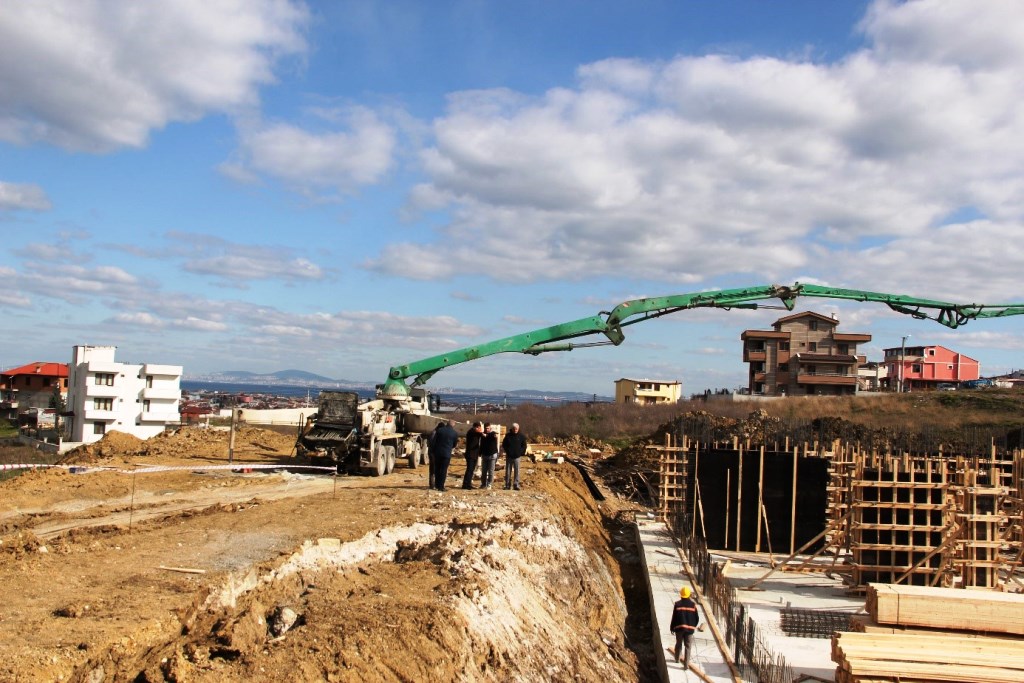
x: 505, y: 598
x: 376, y: 581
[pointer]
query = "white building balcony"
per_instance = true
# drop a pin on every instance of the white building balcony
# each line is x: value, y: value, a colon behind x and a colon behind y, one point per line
x: 161, y: 394
x: 164, y: 416
x: 164, y: 370
x: 104, y: 366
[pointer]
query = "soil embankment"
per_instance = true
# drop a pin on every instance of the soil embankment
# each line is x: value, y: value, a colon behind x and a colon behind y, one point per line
x: 226, y: 576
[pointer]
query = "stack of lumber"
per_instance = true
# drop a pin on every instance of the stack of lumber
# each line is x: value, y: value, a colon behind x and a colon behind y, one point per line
x: 982, y: 611
x: 918, y: 658
x: 916, y: 634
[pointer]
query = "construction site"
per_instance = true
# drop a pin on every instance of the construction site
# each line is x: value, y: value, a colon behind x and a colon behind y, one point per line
x: 816, y: 550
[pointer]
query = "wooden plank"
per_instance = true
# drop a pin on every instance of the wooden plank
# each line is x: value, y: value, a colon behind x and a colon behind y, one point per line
x: 947, y: 608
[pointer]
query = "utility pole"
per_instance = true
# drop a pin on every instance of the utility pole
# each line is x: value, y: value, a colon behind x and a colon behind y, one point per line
x: 903, y: 360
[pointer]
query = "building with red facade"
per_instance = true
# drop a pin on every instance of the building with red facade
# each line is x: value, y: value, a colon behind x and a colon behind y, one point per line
x: 31, y: 386
x: 917, y: 368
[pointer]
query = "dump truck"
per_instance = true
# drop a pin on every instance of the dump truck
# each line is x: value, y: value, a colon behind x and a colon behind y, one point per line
x: 369, y: 437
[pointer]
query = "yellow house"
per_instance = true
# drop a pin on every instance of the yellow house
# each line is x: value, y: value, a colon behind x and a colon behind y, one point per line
x: 647, y: 391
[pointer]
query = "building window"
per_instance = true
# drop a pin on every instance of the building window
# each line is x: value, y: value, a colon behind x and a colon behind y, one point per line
x: 844, y: 349
x: 103, y: 403
x: 915, y: 368
x: 931, y: 352
x: 105, y: 379
x: 814, y: 326
x: 145, y: 406
x: 149, y: 381
x: 812, y: 346
x: 949, y: 367
x: 783, y: 346
x: 99, y: 428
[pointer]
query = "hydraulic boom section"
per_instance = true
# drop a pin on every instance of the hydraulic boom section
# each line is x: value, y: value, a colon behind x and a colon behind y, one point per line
x: 610, y: 324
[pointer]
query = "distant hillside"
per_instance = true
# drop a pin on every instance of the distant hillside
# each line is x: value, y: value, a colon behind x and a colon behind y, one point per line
x: 279, y: 377
x: 302, y: 378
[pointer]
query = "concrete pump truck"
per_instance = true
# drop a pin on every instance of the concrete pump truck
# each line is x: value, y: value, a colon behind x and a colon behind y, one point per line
x: 370, y: 436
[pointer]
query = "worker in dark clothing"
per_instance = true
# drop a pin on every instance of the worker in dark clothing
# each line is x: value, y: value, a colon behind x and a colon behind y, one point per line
x: 444, y: 440
x: 488, y: 456
x: 684, y: 623
x: 514, y: 447
x: 474, y: 439
x: 431, y: 456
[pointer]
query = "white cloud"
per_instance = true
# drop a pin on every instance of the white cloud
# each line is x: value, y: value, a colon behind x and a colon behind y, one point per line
x: 23, y: 196
x: 100, y: 74
x: 312, y: 162
x: 706, y: 167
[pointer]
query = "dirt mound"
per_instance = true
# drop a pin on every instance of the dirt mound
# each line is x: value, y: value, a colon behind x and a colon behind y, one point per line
x: 112, y: 444
x: 186, y: 442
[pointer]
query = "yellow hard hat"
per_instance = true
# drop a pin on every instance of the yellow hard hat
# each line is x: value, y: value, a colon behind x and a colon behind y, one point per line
x: 684, y: 592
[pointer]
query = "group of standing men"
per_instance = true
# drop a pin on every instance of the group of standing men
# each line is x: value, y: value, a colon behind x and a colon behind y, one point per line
x: 481, y: 445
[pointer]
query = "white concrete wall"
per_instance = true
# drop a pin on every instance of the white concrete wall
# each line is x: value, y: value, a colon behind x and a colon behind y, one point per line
x: 275, y: 416
x: 143, y: 398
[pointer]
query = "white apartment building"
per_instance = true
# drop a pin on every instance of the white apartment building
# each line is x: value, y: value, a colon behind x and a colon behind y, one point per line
x: 104, y: 395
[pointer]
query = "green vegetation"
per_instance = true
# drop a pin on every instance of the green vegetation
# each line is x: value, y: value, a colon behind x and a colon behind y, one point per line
x: 8, y: 429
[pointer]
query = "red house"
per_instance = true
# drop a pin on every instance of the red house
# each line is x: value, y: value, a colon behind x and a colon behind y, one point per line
x: 926, y: 367
x: 31, y: 386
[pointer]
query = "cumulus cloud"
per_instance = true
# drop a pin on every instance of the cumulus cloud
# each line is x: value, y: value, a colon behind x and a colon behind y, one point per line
x: 713, y: 166
x: 23, y: 197
x: 317, y: 162
x: 99, y: 74
x: 230, y: 263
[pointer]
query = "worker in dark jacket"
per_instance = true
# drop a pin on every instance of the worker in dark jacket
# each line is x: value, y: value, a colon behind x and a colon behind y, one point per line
x: 441, y: 445
x: 684, y: 623
x: 488, y: 456
x: 431, y: 457
x: 514, y: 447
x: 474, y: 439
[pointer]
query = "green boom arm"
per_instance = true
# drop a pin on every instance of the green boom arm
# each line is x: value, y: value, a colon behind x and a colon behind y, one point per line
x: 610, y: 325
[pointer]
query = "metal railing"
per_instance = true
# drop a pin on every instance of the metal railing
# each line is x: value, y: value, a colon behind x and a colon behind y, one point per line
x: 754, y: 659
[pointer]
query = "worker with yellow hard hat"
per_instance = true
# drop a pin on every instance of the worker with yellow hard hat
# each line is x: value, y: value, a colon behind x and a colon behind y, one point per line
x: 684, y: 622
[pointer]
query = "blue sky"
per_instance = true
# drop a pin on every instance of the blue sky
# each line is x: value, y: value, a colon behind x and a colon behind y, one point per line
x: 340, y: 187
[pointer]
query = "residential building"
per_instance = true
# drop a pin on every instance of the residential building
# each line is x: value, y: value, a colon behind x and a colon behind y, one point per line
x: 31, y: 386
x: 872, y: 376
x: 105, y: 395
x: 802, y: 355
x: 647, y: 391
x: 919, y: 368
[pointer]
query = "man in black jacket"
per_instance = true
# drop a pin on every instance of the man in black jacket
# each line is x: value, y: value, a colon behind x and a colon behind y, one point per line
x: 473, y: 442
x: 514, y: 447
x: 441, y: 444
x: 684, y: 623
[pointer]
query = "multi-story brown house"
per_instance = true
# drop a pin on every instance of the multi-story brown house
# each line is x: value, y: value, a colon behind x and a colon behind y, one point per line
x: 802, y: 355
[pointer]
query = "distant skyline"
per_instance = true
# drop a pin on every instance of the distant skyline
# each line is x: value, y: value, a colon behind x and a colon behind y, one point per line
x: 345, y: 186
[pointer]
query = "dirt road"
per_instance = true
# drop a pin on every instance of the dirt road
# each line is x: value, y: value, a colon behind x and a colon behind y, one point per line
x: 224, y: 576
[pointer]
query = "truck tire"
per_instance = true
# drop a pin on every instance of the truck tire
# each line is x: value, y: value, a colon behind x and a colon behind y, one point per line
x: 424, y: 451
x: 380, y: 468
x: 390, y: 464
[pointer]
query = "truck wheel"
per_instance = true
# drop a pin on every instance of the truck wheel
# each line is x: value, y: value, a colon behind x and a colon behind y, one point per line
x: 416, y: 454
x: 380, y: 468
x: 390, y: 451
x: 424, y: 452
